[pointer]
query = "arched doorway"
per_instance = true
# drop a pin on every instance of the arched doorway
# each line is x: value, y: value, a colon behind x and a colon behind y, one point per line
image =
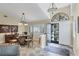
x: 60, y: 29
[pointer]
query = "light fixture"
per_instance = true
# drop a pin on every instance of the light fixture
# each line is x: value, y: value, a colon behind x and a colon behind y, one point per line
x: 23, y: 22
x: 51, y: 9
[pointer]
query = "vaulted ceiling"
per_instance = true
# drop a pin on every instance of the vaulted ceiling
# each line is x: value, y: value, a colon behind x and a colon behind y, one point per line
x: 33, y: 11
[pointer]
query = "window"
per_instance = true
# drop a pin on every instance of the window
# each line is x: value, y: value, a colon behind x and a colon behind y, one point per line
x: 60, y: 17
x: 37, y: 28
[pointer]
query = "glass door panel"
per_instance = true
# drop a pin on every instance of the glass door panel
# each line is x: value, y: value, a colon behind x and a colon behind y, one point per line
x: 55, y: 32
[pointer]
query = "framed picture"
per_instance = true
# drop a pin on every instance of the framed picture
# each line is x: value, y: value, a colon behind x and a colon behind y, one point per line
x: 14, y: 28
x: 4, y: 28
x: 8, y: 28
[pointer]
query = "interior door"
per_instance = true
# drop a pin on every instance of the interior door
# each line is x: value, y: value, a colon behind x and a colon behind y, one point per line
x: 65, y: 33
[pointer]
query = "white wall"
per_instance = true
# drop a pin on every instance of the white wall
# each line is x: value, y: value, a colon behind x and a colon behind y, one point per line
x: 2, y: 38
x: 75, y: 15
x: 65, y: 33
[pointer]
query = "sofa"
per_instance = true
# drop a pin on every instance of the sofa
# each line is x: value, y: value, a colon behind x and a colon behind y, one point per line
x: 9, y: 50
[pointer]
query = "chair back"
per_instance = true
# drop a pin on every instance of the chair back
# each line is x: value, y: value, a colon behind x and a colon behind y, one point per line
x: 21, y: 40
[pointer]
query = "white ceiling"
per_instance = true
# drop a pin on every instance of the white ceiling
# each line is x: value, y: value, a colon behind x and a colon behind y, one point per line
x: 32, y: 11
x: 45, y: 6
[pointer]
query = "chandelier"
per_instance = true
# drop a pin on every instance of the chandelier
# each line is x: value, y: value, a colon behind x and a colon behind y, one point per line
x: 23, y: 22
x: 51, y: 9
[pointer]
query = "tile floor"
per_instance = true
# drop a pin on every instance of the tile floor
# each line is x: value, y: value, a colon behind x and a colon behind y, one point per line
x: 36, y: 50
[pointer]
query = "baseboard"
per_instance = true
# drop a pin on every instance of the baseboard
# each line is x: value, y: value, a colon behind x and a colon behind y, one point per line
x: 67, y: 45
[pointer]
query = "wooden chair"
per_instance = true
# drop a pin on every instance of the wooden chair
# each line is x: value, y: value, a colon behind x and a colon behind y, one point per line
x: 21, y: 40
x: 29, y: 40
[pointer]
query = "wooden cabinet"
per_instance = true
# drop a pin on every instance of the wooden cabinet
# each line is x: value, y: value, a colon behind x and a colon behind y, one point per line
x: 8, y: 38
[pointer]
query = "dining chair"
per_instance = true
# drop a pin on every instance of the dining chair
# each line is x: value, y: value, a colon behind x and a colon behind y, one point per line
x: 29, y: 40
x: 21, y: 40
